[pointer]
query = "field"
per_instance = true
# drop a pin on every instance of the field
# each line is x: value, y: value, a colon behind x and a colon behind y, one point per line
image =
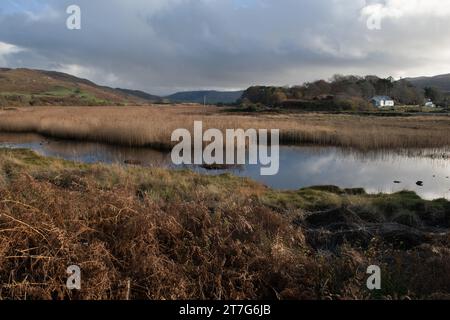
x: 143, y: 233
x: 152, y: 126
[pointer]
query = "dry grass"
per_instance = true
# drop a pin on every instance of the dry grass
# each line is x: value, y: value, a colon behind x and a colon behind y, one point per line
x: 179, y: 235
x: 152, y: 126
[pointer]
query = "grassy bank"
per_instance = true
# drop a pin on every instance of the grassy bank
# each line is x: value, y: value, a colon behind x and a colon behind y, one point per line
x: 153, y: 126
x: 159, y: 234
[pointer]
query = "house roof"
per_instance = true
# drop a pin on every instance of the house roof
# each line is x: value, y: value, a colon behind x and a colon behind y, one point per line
x: 381, y: 98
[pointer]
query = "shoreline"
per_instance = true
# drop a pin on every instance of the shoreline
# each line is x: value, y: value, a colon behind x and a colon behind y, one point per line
x: 140, y: 226
x: 399, y: 179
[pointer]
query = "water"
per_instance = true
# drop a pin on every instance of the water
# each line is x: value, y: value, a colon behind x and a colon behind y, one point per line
x: 299, y: 166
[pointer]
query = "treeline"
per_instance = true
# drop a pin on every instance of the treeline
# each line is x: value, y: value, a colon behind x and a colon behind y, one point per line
x: 341, y: 93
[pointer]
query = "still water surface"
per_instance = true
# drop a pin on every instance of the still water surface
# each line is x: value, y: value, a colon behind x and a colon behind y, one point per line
x: 299, y: 166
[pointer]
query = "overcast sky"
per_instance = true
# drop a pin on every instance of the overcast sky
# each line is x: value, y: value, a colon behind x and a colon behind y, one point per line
x: 163, y: 46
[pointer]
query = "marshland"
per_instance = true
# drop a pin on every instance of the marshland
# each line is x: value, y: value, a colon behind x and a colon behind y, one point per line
x: 145, y: 231
x: 91, y: 175
x: 152, y: 126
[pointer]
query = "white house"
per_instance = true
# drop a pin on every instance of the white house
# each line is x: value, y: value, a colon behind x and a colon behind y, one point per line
x: 382, y: 101
x: 430, y: 104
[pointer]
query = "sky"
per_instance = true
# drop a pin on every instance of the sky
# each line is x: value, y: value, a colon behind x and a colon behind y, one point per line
x: 164, y: 46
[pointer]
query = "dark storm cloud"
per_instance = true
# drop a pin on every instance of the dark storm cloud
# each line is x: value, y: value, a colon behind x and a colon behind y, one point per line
x: 167, y: 45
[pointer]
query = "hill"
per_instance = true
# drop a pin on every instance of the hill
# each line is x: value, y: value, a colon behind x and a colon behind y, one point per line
x: 441, y: 82
x: 212, y: 97
x: 140, y: 94
x: 27, y: 87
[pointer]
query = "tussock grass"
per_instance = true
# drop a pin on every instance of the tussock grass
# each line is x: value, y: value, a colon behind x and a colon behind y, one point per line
x: 159, y: 234
x: 153, y: 126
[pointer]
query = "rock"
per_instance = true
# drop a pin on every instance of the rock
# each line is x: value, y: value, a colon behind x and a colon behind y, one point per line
x: 325, y: 219
x: 408, y: 219
x: 397, y: 235
x: 400, y: 236
x: 331, y: 239
x: 342, y: 226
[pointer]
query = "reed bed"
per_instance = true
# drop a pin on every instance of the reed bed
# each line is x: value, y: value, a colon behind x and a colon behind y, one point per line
x: 153, y: 126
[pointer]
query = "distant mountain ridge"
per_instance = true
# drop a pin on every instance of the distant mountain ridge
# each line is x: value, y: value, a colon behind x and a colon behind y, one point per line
x: 441, y: 82
x: 140, y: 94
x: 208, y: 96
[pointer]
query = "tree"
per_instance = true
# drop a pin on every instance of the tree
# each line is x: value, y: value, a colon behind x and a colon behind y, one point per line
x: 277, y: 97
x: 434, y: 94
x: 367, y: 89
x: 384, y: 86
x: 404, y: 92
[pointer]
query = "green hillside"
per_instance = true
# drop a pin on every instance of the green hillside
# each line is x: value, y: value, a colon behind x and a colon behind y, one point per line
x: 26, y: 87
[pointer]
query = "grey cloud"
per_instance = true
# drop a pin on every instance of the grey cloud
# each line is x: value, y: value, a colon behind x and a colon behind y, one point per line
x: 163, y: 46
